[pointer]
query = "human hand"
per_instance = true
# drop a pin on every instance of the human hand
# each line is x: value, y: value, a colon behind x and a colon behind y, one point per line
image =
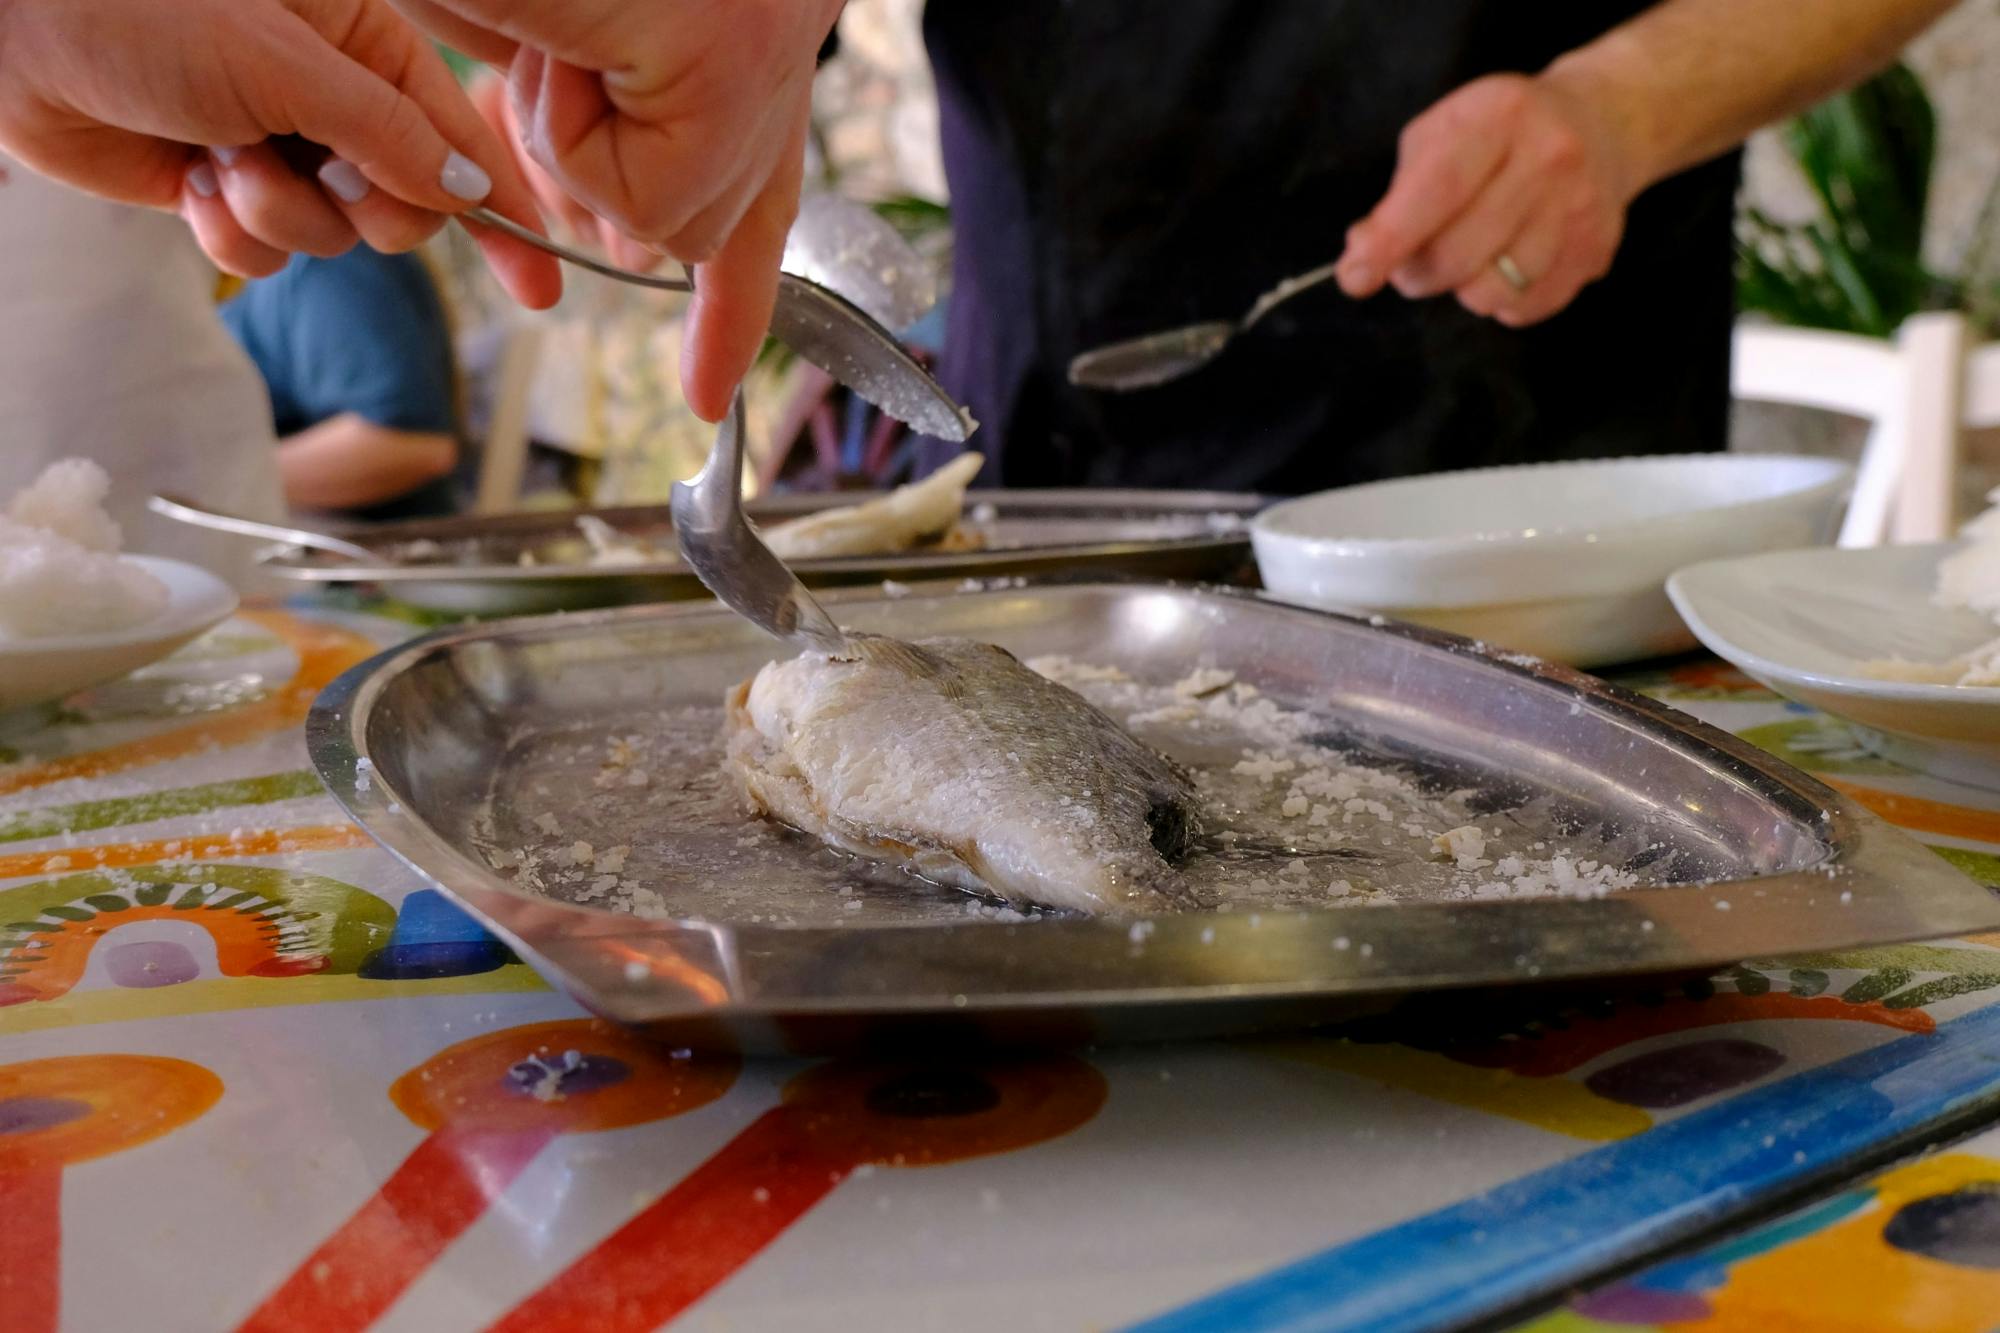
x: 580, y: 225
x: 1508, y: 171
x: 116, y: 97
x: 682, y: 122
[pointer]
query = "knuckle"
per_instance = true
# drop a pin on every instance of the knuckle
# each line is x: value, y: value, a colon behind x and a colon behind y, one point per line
x: 1560, y: 149
x: 400, y: 231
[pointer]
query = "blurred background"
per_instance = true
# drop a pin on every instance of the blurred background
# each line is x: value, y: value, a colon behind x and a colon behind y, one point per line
x: 1879, y: 205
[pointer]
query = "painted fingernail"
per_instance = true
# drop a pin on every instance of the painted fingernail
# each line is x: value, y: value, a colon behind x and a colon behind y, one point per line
x: 463, y: 178
x: 226, y: 155
x: 344, y: 179
x: 201, y: 179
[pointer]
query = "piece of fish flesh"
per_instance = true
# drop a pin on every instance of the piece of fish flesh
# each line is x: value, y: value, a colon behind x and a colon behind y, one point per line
x: 908, y: 516
x: 952, y: 759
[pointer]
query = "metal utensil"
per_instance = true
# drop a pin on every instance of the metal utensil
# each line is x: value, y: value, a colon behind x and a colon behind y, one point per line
x: 820, y: 325
x: 187, y: 511
x: 849, y: 248
x: 1157, y: 358
x: 731, y: 560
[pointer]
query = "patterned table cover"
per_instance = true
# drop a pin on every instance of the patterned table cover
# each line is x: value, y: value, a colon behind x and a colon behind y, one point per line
x: 253, y: 1076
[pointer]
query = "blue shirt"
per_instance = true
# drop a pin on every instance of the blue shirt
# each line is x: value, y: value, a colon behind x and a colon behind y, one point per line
x: 365, y: 333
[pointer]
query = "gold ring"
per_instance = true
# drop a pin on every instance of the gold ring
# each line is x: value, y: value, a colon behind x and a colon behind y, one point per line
x: 1511, y: 271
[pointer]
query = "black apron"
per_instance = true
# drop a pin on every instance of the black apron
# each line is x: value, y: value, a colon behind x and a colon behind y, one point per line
x: 1122, y: 166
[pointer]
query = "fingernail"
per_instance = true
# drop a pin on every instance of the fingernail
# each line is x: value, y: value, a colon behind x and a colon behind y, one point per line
x: 344, y: 179
x: 1357, y: 276
x: 201, y: 179
x: 226, y: 155
x: 463, y: 178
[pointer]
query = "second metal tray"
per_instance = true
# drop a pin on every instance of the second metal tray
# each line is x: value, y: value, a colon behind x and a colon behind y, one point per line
x: 1789, y: 865
x: 526, y: 563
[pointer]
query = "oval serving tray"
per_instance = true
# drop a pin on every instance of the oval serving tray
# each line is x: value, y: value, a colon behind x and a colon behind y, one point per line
x: 1797, y: 866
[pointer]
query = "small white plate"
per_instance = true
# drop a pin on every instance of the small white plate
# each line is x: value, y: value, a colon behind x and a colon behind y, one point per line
x: 36, y: 671
x: 1808, y: 623
x: 1567, y: 561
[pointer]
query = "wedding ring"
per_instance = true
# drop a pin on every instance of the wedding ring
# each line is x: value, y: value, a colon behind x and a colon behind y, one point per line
x: 1511, y: 272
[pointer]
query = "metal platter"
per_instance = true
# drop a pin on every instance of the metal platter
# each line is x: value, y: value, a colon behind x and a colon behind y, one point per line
x: 480, y: 565
x: 1786, y: 865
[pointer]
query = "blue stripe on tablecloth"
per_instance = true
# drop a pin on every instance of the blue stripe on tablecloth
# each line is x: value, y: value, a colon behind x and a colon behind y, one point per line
x: 1577, y: 1218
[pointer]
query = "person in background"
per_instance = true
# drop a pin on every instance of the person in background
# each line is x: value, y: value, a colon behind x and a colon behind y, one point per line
x: 111, y: 350
x: 1532, y: 209
x: 357, y: 355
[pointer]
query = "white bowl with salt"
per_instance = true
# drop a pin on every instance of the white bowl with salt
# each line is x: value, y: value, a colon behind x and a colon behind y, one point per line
x: 46, y: 668
x: 1565, y: 561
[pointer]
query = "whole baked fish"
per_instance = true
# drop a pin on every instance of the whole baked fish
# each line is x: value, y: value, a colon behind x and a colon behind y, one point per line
x: 923, y: 511
x: 951, y: 758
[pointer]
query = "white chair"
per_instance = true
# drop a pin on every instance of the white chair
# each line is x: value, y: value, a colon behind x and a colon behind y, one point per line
x: 503, y: 455
x: 1921, y: 392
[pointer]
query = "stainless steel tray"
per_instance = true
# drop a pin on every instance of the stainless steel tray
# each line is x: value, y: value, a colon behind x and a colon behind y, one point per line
x: 473, y: 565
x: 1796, y: 867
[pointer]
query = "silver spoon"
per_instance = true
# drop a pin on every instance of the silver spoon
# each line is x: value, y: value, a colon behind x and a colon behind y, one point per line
x: 725, y: 552
x: 187, y: 511
x: 820, y: 325
x: 1157, y: 358
x: 848, y: 247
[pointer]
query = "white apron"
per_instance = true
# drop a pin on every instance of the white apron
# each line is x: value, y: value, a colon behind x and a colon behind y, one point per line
x: 110, y: 349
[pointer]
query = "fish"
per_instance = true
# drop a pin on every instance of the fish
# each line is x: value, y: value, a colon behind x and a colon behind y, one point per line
x: 909, y: 516
x: 950, y: 758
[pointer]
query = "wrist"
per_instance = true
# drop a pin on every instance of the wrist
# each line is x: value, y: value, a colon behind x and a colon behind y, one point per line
x: 1616, y: 100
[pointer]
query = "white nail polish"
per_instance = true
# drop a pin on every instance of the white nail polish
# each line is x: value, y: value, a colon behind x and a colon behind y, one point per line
x: 464, y: 179
x: 201, y: 179
x: 344, y: 179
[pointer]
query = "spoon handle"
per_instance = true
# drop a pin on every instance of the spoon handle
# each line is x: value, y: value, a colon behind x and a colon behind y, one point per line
x: 200, y: 516
x: 1286, y: 290
x: 486, y: 217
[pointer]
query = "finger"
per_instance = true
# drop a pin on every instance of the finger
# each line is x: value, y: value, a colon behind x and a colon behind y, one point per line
x: 474, y: 165
x: 1581, y: 259
x: 114, y: 164
x: 333, y: 98
x: 646, y: 178
x: 233, y: 249
x: 1534, y: 249
x: 459, y: 32
x: 707, y: 231
x: 272, y: 202
x: 491, y: 99
x: 387, y: 223
x: 1468, y: 243
x: 735, y: 291
x: 1437, y: 176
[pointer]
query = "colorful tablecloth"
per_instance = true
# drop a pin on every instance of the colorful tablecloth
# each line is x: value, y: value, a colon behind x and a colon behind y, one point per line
x: 253, y: 1074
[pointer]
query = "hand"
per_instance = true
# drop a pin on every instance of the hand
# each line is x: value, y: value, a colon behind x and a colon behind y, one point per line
x: 682, y: 122
x: 1508, y: 166
x: 328, y: 120
x: 579, y: 225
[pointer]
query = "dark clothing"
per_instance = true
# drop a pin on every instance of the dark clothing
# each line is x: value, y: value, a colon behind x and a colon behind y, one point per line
x: 1122, y: 166
x: 365, y: 333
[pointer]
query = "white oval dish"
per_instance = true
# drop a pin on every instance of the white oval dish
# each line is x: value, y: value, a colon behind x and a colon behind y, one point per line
x: 35, y: 671
x: 1567, y: 561
x: 1808, y: 623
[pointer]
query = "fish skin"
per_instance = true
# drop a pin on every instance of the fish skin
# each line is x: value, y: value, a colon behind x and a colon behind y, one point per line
x: 998, y: 780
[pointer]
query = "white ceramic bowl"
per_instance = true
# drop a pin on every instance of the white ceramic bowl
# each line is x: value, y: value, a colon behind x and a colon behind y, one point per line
x: 1807, y: 623
x: 1568, y: 561
x: 34, y: 671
